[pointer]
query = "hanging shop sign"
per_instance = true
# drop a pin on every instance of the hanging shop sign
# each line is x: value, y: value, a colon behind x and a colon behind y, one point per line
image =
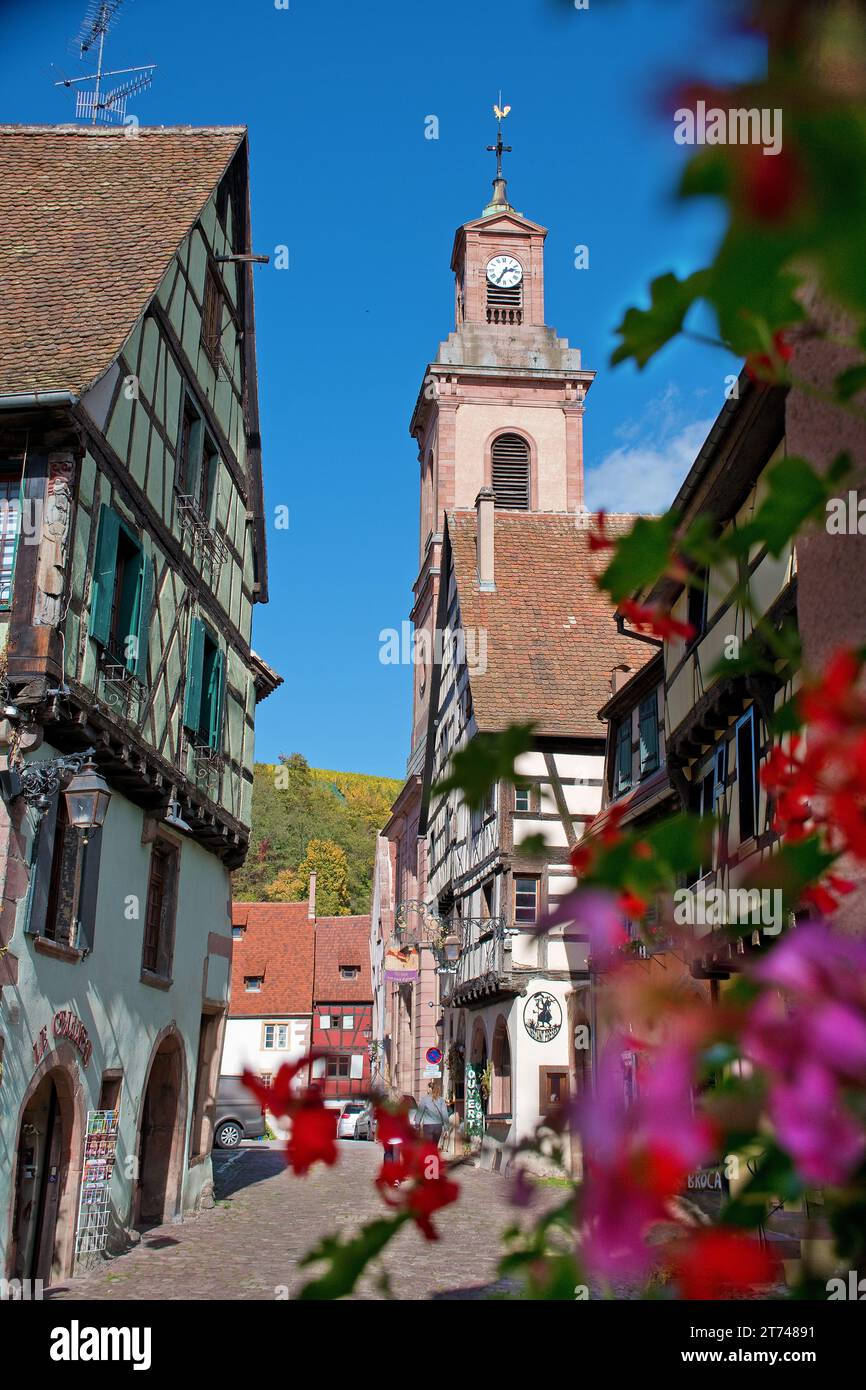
x: 542, y: 1016
x: 401, y: 963
x: 473, y: 1122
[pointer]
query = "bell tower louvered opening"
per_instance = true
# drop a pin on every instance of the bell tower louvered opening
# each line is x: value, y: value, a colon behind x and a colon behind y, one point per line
x: 510, y: 472
x: 505, y: 305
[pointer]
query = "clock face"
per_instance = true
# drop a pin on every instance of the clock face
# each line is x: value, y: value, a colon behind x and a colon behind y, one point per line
x: 504, y: 272
x: 542, y: 1016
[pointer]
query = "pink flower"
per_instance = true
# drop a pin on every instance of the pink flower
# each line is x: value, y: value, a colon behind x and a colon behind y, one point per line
x: 812, y: 1123
x: 812, y: 1044
x: 636, y: 1157
x: 595, y: 914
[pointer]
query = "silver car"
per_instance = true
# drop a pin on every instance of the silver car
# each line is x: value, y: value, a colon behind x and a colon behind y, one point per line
x: 356, y: 1121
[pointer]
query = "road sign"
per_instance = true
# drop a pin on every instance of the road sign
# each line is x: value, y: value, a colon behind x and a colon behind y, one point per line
x: 434, y: 1056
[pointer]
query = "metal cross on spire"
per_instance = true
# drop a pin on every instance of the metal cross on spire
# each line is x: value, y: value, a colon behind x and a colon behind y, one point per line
x: 500, y: 112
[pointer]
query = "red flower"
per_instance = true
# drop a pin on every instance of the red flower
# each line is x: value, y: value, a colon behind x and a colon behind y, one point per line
x: 598, y: 540
x: 820, y: 784
x: 314, y: 1131
x: 770, y: 366
x: 771, y: 185
x: 313, y: 1126
x: 281, y: 1096
x: 654, y: 620
x: 716, y: 1262
x: 421, y: 1165
x: 632, y: 905
x: 392, y: 1126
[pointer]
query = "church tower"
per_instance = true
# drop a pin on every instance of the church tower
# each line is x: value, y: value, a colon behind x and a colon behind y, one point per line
x: 500, y: 406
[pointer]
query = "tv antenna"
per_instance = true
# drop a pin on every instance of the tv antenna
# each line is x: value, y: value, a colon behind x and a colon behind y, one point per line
x: 101, y: 104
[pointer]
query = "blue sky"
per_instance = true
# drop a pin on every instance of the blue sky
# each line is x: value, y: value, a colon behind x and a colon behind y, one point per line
x: 336, y: 95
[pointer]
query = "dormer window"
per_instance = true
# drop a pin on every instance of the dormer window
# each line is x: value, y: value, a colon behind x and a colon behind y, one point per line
x: 509, y: 459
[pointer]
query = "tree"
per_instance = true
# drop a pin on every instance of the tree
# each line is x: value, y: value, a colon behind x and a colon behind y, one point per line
x: 327, y: 860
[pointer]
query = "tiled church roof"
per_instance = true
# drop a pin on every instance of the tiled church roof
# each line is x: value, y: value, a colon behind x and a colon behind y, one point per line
x: 551, y: 637
x: 90, y: 219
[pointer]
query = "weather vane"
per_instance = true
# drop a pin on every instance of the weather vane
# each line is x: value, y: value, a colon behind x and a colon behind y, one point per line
x: 500, y: 112
x: 99, y: 104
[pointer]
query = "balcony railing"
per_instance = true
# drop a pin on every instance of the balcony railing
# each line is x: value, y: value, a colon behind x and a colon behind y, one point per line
x: 484, y: 962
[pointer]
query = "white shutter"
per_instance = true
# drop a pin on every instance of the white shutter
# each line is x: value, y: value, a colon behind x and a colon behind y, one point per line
x: 356, y: 1066
x: 318, y: 1068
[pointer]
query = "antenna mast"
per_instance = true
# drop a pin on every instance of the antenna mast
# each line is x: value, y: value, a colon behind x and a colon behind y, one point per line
x: 99, y: 104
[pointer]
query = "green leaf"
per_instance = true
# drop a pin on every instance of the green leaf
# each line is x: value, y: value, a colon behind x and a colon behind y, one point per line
x: 645, y: 331
x: 850, y: 382
x: 641, y: 557
x: 796, y: 494
x: 347, y: 1259
x: 485, y: 761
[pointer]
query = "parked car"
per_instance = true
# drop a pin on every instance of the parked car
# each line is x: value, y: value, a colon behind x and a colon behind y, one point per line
x: 238, y: 1114
x: 356, y: 1121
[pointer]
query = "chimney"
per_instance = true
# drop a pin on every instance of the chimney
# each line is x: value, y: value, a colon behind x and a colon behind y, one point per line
x: 618, y: 677
x: 311, y: 910
x: 484, y: 504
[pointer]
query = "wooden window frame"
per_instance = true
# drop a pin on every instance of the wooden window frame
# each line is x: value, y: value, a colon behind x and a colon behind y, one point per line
x: 526, y: 878
x: 648, y: 718
x: 275, y: 1024
x: 623, y: 773
x: 545, y: 1105
x: 157, y: 954
x: 213, y: 303
x: 749, y: 720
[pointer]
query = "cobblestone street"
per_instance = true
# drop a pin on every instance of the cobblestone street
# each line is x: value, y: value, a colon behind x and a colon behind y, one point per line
x: 248, y: 1246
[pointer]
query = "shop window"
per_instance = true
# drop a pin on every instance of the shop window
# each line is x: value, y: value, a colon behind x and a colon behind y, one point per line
x: 159, y: 921
x: 552, y: 1088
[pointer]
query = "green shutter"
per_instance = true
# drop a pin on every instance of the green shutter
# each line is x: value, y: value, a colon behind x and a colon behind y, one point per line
x: 215, y: 701
x: 648, y: 725
x: 104, y: 570
x: 195, y: 664
x: 145, y: 603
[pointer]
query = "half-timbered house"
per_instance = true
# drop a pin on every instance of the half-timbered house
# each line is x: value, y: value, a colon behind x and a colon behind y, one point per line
x: 526, y: 580
x: 133, y: 553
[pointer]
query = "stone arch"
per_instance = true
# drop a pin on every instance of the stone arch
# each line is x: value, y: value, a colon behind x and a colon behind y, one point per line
x: 160, y: 1146
x: 62, y: 1067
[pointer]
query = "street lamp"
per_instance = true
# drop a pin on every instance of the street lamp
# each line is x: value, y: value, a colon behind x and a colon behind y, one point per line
x: 37, y: 783
x: 87, y: 797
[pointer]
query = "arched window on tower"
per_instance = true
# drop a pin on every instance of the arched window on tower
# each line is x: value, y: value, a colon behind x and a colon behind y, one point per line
x: 509, y: 459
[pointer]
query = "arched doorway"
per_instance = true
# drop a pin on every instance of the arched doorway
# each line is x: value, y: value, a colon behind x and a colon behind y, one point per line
x: 41, y: 1181
x: 160, y: 1142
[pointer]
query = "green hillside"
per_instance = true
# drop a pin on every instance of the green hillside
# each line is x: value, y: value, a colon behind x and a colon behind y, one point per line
x: 294, y: 804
